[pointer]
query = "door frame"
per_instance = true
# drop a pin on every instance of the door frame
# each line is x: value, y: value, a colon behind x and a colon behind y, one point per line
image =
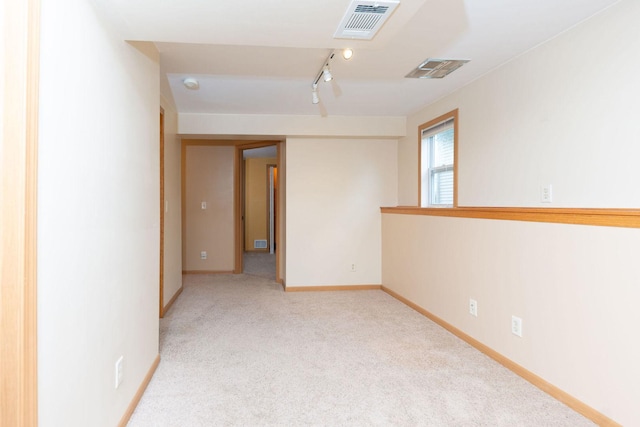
x: 162, y: 208
x: 18, y: 221
x: 239, y: 200
x: 272, y: 198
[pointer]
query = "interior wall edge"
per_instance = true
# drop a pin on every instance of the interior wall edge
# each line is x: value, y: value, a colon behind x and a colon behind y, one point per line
x: 136, y: 398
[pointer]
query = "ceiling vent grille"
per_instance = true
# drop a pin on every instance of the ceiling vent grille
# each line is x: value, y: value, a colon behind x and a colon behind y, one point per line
x: 364, y: 18
x: 436, y: 68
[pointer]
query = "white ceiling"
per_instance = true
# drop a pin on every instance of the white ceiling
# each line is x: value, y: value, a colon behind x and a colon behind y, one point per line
x: 261, y: 56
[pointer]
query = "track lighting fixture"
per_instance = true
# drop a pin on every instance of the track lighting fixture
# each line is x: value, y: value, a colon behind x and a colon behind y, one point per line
x: 325, y: 73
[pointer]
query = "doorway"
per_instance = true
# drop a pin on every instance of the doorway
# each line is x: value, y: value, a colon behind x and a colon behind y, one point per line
x: 257, y: 250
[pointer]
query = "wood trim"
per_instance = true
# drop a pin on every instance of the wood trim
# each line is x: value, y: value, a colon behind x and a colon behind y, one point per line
x: 173, y: 299
x: 209, y: 142
x: 332, y: 288
x: 275, y: 208
x: 238, y: 211
x: 183, y: 199
x: 162, y: 203
x: 247, y: 145
x: 629, y: 218
x: 18, y: 222
x: 537, y: 381
x: 207, y: 272
x: 229, y: 142
x: 279, y: 240
x: 446, y: 116
x: 456, y: 158
x: 136, y: 398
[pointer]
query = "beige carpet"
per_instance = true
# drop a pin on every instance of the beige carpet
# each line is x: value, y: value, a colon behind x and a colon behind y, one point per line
x: 238, y: 351
x: 261, y: 264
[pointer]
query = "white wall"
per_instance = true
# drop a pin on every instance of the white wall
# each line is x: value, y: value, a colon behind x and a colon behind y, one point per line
x: 565, y: 113
x: 335, y: 188
x: 172, y: 197
x: 98, y: 217
x: 562, y: 114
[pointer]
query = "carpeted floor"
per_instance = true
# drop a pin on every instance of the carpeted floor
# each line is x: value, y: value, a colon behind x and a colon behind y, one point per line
x: 261, y: 264
x: 238, y: 351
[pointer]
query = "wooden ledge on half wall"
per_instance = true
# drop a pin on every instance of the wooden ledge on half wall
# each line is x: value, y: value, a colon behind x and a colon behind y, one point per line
x: 629, y: 218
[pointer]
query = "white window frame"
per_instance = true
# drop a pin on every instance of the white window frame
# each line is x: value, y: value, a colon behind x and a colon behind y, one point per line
x: 426, y: 170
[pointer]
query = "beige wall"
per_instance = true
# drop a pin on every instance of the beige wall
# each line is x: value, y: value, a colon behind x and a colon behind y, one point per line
x: 303, y: 126
x: 575, y: 288
x: 172, y: 207
x: 256, y: 201
x: 98, y: 218
x: 209, y: 178
x: 548, y: 117
x: 526, y: 124
x: 335, y: 188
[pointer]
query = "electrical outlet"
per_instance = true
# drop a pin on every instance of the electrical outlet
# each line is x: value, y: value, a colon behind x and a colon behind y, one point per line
x: 119, y: 373
x: 546, y: 194
x: 516, y: 326
x: 353, y: 268
x: 203, y: 255
x: 473, y: 307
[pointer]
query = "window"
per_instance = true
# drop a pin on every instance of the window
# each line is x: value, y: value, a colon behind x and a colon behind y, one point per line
x: 437, y: 161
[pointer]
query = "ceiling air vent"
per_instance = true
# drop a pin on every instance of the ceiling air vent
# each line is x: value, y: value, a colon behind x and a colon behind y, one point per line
x: 436, y: 68
x: 364, y: 18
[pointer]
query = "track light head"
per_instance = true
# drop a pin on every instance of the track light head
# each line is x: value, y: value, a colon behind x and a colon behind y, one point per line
x: 314, y: 94
x: 326, y: 73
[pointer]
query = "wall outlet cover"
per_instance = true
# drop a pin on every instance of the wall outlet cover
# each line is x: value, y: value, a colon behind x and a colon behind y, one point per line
x: 473, y: 307
x: 516, y: 326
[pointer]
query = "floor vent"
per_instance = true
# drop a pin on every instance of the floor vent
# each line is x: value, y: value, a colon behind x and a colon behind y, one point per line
x: 364, y: 18
x: 436, y: 68
x: 260, y: 244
